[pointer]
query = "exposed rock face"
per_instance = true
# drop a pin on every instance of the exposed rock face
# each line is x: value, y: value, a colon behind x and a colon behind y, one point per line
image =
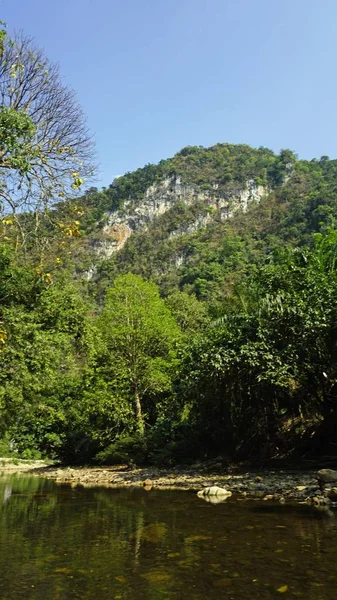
x: 161, y: 197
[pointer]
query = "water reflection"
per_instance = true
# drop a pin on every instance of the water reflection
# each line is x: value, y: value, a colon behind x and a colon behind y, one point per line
x: 7, y: 492
x: 62, y: 542
x: 212, y: 499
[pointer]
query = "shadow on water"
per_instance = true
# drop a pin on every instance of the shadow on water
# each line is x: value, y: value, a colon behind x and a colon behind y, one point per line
x: 62, y: 542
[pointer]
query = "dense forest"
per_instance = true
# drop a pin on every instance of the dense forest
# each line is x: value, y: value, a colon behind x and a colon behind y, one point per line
x: 230, y: 351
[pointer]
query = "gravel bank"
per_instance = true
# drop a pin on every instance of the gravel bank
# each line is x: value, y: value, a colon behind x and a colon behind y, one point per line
x: 20, y: 465
x: 279, y: 485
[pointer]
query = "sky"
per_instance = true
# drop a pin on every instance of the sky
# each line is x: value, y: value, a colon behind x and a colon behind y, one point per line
x: 154, y: 76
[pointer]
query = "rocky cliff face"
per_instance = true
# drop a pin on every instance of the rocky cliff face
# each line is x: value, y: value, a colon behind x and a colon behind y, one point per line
x: 162, y: 197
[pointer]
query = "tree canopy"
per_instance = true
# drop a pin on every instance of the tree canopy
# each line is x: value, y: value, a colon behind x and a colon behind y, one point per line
x: 203, y: 335
x: 141, y: 337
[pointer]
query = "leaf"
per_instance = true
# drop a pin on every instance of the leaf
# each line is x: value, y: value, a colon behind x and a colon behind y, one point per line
x: 282, y: 589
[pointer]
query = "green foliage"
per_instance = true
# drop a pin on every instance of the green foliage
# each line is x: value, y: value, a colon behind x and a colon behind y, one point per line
x: 272, y: 361
x: 140, y: 336
x: 125, y: 449
x: 17, y: 131
x: 190, y: 314
x: 204, y: 167
x: 132, y: 186
x: 186, y: 343
x: 6, y: 449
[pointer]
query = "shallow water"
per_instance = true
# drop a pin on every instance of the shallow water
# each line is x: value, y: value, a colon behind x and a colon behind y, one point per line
x: 60, y: 542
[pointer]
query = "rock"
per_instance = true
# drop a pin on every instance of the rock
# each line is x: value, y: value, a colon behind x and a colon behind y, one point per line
x: 326, y: 476
x: 321, y: 501
x: 332, y: 494
x: 258, y: 479
x: 214, y: 490
x: 159, y: 198
x: 313, y: 489
x: 147, y: 483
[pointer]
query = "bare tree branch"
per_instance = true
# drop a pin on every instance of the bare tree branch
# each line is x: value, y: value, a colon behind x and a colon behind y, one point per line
x: 47, y: 151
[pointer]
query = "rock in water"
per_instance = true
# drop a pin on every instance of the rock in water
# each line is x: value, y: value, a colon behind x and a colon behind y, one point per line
x: 326, y: 476
x: 214, y: 490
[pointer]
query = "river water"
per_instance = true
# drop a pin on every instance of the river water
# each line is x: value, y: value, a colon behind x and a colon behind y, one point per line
x: 59, y: 542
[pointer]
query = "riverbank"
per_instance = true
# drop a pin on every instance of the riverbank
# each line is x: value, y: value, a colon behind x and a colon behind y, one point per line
x: 18, y: 465
x: 279, y: 485
x: 282, y: 485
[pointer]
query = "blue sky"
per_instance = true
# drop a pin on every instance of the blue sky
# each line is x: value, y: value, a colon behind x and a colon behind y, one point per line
x: 156, y: 75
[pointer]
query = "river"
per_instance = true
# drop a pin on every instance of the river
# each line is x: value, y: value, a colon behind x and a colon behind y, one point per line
x: 60, y: 542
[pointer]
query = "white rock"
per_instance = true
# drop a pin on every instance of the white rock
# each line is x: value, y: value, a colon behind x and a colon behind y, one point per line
x: 214, y: 490
x: 160, y: 197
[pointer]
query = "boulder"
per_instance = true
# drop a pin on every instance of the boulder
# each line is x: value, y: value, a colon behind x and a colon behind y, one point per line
x: 326, y: 476
x: 214, y: 490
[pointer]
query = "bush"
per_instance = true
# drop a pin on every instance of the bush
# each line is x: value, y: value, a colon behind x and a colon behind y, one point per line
x: 31, y: 454
x: 6, y: 449
x: 126, y: 449
x: 170, y: 444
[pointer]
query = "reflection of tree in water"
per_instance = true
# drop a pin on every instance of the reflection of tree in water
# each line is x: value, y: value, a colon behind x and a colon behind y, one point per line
x: 72, y: 542
x: 7, y: 492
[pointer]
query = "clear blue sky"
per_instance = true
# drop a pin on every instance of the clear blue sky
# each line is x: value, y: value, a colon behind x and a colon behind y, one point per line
x: 156, y: 75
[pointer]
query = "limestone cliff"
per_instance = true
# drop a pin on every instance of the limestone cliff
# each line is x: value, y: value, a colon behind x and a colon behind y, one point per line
x: 162, y: 197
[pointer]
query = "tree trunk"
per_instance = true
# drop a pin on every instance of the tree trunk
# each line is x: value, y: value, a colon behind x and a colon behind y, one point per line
x: 139, y: 414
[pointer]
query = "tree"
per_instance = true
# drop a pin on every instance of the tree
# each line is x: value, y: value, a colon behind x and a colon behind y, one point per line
x: 190, y: 313
x: 46, y: 343
x: 45, y: 148
x: 140, y: 335
x: 267, y: 370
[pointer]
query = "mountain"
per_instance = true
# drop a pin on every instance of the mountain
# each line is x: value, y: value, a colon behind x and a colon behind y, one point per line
x: 200, y: 220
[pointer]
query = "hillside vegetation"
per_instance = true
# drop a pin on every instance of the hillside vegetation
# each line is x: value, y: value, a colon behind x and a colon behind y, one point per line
x: 203, y: 335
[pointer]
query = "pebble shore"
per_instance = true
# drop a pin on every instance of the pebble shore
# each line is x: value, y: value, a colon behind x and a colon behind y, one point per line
x: 277, y: 485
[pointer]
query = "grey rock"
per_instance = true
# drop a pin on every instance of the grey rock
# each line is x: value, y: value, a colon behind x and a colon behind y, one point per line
x: 326, y: 476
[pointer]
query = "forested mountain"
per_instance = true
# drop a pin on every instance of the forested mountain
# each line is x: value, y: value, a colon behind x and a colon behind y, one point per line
x: 187, y: 310
x: 197, y: 221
